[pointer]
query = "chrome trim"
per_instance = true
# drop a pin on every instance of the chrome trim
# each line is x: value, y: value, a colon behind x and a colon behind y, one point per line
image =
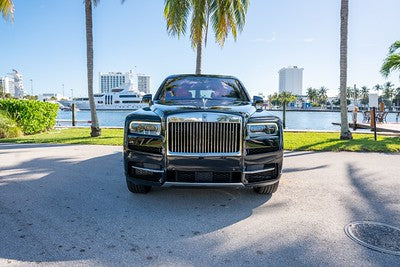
x: 258, y: 171
x: 172, y: 184
x: 202, y: 145
x: 204, y: 117
x: 148, y: 170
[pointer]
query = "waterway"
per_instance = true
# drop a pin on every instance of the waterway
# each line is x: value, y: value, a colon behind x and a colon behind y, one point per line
x: 295, y: 120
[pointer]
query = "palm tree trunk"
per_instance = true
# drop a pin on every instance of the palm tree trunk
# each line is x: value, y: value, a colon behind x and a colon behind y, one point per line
x: 345, y: 133
x: 95, y: 129
x: 199, y: 56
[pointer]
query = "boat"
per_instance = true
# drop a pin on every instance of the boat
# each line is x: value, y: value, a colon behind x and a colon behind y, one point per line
x: 119, y: 98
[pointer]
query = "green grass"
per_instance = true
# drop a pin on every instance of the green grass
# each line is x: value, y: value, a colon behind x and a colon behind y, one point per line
x: 293, y: 140
x: 72, y: 136
x: 330, y: 142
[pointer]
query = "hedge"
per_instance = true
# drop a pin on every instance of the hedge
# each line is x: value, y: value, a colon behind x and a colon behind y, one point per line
x: 31, y: 116
x: 8, y: 126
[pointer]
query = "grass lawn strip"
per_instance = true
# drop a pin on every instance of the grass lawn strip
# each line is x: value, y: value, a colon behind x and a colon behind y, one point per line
x: 312, y: 141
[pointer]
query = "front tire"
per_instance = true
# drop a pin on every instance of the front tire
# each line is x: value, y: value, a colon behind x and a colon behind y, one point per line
x: 266, y: 190
x: 138, y: 189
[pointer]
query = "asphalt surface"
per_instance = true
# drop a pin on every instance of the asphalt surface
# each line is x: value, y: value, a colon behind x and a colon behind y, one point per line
x: 68, y: 205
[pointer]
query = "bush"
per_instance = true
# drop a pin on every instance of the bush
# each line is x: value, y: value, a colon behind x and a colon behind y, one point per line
x: 32, y: 116
x: 8, y: 127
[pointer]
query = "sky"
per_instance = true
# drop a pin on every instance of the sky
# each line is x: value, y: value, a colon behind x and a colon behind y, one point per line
x: 46, y: 43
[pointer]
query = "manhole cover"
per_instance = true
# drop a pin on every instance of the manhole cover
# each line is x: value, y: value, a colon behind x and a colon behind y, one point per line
x: 374, y: 235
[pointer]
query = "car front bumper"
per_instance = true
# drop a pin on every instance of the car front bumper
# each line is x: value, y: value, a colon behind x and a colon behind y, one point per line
x: 160, y: 170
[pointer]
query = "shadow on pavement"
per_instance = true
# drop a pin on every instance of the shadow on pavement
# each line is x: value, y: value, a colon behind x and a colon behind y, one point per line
x: 63, y: 209
x: 379, y: 204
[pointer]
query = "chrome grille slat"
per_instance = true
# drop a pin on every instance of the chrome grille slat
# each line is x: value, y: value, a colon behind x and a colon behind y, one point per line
x: 196, y: 137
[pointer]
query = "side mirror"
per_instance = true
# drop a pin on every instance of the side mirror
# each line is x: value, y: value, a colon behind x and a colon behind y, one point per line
x: 258, y: 102
x: 147, y: 99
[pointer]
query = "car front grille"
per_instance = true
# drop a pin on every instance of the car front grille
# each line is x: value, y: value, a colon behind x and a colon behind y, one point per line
x: 204, y: 138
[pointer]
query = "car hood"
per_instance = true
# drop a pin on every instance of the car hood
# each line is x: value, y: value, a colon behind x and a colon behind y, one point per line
x: 244, y: 109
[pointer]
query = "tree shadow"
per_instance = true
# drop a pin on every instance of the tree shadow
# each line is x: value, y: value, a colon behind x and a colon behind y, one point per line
x: 288, y: 170
x: 375, y: 202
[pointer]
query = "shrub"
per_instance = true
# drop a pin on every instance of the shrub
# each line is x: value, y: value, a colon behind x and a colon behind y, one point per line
x: 32, y: 116
x: 8, y: 127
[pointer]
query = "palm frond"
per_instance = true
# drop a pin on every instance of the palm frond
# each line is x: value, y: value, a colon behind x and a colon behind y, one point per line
x: 391, y: 63
x: 7, y: 9
x: 199, y: 21
x: 394, y: 47
x: 228, y: 15
x: 176, y: 13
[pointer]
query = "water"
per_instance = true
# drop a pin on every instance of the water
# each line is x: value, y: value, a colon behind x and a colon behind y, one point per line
x: 295, y: 120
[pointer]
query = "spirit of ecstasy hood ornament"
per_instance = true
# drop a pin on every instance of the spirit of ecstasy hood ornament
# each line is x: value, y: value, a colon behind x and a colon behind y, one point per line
x: 204, y: 102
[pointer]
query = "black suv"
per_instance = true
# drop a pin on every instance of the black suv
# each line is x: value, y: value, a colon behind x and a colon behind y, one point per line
x: 202, y: 130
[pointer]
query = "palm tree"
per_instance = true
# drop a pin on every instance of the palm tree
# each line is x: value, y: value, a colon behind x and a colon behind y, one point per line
x: 225, y: 16
x: 377, y: 87
x: 285, y: 98
x: 389, y: 91
x: 273, y: 99
x: 95, y: 128
x: 392, y: 61
x: 322, y: 95
x: 364, y: 95
x: 345, y: 133
x: 312, y: 94
x: 7, y: 9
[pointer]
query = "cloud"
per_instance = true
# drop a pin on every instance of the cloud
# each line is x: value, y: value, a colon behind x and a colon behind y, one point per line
x: 265, y: 40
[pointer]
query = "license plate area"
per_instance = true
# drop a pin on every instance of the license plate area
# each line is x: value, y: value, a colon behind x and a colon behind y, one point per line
x: 204, y: 177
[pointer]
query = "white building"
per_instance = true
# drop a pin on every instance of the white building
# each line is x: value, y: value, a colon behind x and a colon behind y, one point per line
x: 143, y: 83
x: 19, y: 91
x: 291, y: 80
x: 110, y: 80
x: 13, y: 84
x: 7, y: 85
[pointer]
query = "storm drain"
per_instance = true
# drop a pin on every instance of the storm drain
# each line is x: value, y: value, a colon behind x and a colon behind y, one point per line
x: 378, y: 236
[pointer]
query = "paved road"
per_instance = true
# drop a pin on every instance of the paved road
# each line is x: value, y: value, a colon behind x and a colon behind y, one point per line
x: 68, y: 205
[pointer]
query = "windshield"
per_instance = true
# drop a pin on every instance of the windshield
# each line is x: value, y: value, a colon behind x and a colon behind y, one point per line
x: 199, y: 87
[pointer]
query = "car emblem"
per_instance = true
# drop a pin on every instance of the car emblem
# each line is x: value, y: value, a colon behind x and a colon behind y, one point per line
x: 204, y: 117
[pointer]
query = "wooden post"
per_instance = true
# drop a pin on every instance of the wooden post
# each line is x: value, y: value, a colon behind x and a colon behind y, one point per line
x: 374, y: 112
x: 73, y: 113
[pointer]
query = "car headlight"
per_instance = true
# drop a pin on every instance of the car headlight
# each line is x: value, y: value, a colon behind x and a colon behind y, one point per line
x: 262, y: 129
x: 144, y: 127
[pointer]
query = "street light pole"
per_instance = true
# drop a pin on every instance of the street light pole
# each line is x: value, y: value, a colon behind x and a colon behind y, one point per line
x: 72, y: 94
x: 63, y: 90
x: 32, y: 87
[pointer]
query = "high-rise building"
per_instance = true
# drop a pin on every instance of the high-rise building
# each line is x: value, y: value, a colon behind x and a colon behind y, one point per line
x: 19, y: 91
x: 144, y: 83
x: 291, y: 80
x: 7, y: 85
x: 12, y: 84
x: 110, y: 80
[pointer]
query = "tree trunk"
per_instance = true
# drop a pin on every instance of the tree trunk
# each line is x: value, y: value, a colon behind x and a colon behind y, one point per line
x: 95, y: 129
x: 345, y: 133
x: 199, y: 57
x: 284, y: 115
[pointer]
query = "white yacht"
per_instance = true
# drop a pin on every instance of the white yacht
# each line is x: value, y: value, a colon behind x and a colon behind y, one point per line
x: 120, y: 98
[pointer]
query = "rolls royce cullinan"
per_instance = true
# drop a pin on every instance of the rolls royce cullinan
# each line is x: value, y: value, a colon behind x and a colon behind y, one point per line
x: 202, y: 130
